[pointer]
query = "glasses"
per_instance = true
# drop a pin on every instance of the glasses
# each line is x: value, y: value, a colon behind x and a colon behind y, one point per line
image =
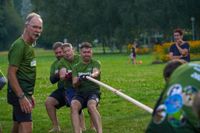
x: 35, y: 26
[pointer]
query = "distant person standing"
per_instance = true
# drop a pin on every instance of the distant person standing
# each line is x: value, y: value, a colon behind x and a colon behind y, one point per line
x: 22, y: 74
x: 133, y: 53
x: 181, y: 49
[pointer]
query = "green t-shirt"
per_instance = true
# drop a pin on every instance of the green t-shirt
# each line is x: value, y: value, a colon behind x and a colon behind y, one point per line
x: 63, y: 63
x: 22, y: 55
x: 86, y: 86
x: 174, y: 113
x: 54, y: 69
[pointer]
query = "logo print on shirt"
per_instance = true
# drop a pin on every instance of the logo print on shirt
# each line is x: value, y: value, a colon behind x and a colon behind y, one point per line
x: 188, y: 95
x: 175, y: 89
x: 33, y: 63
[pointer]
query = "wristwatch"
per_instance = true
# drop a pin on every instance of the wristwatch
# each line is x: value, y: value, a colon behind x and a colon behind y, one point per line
x: 21, y: 96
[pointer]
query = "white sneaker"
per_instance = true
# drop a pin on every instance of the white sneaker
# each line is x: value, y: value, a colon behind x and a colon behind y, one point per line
x: 55, y: 130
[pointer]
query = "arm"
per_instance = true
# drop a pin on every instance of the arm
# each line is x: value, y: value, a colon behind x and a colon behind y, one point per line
x: 23, y: 101
x: 95, y: 73
x: 62, y: 73
x: 75, y: 82
x: 54, y: 78
x: 171, y: 56
x: 183, y: 51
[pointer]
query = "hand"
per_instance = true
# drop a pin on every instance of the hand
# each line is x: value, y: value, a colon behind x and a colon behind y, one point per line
x: 68, y: 75
x: 83, y: 77
x: 25, y: 105
x: 3, y: 81
x: 33, y: 101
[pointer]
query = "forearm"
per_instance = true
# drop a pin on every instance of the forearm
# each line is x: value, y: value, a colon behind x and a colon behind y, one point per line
x: 76, y: 82
x: 182, y: 51
x: 12, y: 78
x: 95, y: 73
x: 176, y: 57
x: 54, y: 78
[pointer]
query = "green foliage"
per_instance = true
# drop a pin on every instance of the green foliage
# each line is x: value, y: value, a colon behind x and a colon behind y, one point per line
x: 113, y: 22
x: 142, y: 82
x: 10, y: 24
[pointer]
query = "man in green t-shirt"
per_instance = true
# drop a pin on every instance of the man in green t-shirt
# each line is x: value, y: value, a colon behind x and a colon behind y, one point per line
x: 56, y: 99
x: 22, y: 74
x: 87, y: 92
x: 65, y: 66
x: 175, y: 111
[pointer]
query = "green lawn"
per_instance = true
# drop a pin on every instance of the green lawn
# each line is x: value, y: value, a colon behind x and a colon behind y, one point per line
x: 142, y: 82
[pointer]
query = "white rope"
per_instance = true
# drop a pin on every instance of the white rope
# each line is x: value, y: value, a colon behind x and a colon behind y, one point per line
x: 137, y: 103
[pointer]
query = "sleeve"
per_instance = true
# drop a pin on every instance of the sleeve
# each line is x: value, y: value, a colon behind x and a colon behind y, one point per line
x: 171, y: 49
x: 15, y: 55
x: 62, y: 64
x: 54, y: 77
x: 186, y: 46
x: 97, y: 65
x: 74, y: 71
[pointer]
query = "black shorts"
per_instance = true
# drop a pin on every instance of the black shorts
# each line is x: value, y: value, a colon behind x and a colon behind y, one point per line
x: 20, y: 116
x: 84, y: 98
x: 63, y: 96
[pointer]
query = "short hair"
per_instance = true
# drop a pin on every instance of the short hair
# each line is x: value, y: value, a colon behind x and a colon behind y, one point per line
x: 30, y: 16
x: 178, y: 30
x: 57, y: 45
x: 85, y: 45
x: 171, y: 66
x: 67, y: 45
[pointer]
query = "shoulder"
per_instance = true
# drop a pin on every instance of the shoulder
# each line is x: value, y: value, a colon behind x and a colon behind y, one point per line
x: 186, y: 43
x: 18, y: 44
x: 172, y: 45
x: 55, y: 62
x: 96, y: 61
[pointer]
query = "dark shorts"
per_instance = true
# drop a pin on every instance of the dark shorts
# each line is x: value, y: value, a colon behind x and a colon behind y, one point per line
x: 20, y: 116
x: 63, y: 96
x: 83, y: 99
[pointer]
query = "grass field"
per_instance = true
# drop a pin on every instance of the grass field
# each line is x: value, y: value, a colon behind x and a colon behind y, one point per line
x: 142, y: 82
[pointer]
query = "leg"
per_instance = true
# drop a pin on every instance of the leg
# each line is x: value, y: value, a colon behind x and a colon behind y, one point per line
x: 22, y: 121
x: 25, y: 127
x: 75, y: 107
x: 82, y: 121
x: 50, y: 104
x: 15, y: 127
x: 96, y: 118
x: 134, y: 60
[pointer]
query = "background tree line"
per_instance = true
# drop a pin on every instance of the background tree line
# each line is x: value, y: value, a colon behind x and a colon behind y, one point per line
x: 111, y: 22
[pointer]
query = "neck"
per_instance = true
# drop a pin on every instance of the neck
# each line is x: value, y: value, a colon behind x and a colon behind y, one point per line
x: 26, y: 38
x: 86, y: 61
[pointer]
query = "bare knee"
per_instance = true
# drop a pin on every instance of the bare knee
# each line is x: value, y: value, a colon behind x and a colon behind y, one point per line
x: 51, y: 102
x: 92, y: 107
x: 75, y: 106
